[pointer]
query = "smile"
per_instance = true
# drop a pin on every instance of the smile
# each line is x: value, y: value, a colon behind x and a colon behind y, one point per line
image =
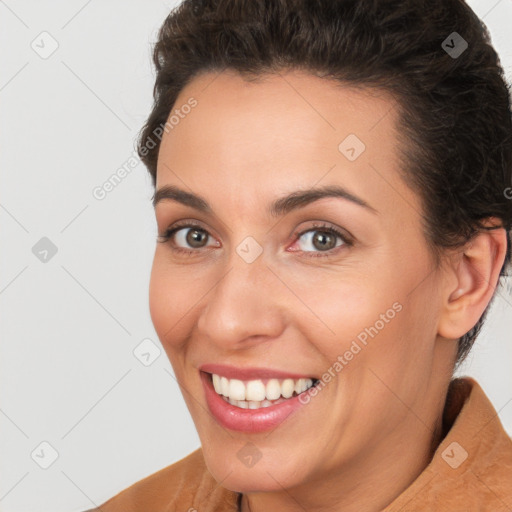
x: 253, y: 400
x: 254, y: 394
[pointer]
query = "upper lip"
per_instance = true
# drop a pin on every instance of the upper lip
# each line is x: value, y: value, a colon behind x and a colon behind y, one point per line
x: 250, y: 373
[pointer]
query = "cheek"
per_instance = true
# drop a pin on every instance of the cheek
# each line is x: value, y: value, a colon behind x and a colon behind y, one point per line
x: 367, y: 317
x: 159, y: 287
x: 171, y: 297
x: 341, y: 304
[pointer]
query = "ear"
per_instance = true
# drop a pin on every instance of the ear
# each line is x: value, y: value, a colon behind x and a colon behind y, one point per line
x: 472, y: 277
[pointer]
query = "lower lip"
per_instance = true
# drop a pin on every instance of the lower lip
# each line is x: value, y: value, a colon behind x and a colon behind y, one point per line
x: 247, y: 420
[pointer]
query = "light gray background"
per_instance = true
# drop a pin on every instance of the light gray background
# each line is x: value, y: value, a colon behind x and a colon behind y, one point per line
x: 69, y: 326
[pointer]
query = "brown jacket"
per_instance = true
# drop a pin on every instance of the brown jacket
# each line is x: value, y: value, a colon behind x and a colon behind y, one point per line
x: 471, y: 470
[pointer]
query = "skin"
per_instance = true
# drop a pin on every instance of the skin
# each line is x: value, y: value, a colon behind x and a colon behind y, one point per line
x: 243, y: 146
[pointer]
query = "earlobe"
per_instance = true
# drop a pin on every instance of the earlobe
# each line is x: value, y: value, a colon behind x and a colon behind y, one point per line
x: 475, y: 271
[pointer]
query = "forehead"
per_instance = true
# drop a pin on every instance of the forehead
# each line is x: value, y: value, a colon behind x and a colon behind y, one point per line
x: 281, y: 106
x: 281, y: 132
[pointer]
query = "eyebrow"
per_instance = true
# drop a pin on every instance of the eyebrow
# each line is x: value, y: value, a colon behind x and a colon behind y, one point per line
x: 279, y: 207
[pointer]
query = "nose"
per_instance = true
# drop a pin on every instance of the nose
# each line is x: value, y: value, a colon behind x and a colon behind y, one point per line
x: 244, y: 308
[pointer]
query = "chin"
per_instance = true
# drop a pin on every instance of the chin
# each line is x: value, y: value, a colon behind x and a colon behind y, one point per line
x: 266, y: 474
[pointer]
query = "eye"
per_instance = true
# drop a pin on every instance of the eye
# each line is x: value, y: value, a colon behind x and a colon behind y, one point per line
x: 189, y: 238
x: 321, y: 239
x: 186, y: 237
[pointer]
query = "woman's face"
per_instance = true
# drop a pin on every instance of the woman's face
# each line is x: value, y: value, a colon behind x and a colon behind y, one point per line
x: 279, y: 290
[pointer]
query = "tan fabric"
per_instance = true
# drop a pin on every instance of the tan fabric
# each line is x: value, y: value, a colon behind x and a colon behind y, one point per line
x: 481, y: 482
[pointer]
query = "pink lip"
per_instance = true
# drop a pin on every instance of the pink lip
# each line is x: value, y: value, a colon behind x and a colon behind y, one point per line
x: 232, y: 372
x: 247, y: 420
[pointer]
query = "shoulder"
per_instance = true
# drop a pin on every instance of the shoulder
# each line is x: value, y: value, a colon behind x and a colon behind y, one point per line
x: 476, y: 457
x: 472, y: 467
x: 186, y: 485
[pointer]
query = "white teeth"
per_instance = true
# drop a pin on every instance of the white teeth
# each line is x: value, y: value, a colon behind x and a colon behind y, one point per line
x: 255, y: 391
x: 216, y: 383
x: 254, y: 394
x: 236, y: 389
x: 300, y: 386
x: 273, y: 391
x: 287, y: 388
x: 224, y: 386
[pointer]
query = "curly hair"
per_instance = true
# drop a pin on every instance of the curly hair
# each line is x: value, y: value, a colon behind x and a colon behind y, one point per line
x: 455, y: 119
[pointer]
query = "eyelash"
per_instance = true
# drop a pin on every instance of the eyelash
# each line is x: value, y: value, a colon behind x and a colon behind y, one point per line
x: 347, y: 242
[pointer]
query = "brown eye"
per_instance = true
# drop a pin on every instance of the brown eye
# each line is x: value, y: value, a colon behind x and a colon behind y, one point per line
x: 190, y: 237
x: 320, y: 239
x: 195, y: 237
x: 186, y: 238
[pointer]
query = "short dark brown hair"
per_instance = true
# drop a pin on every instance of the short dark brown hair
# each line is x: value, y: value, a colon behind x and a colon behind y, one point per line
x: 455, y: 113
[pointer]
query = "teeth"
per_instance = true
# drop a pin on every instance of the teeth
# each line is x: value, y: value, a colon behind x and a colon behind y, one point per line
x: 216, y: 383
x: 253, y: 404
x: 224, y: 386
x: 253, y: 394
x: 287, y: 388
x: 255, y: 391
x: 236, y: 389
x: 273, y: 389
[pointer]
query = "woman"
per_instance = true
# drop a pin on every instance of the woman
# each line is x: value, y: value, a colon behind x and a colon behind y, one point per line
x: 331, y: 198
